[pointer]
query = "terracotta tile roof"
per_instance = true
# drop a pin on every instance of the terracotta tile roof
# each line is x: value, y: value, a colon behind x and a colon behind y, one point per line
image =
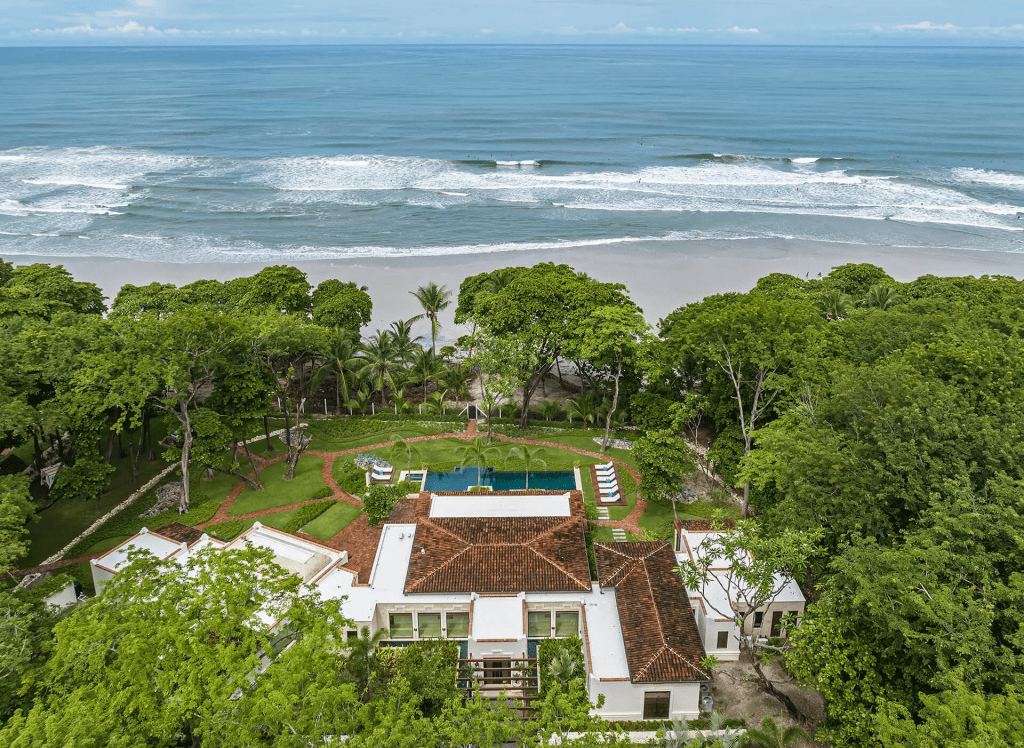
x: 180, y: 533
x: 658, y: 628
x: 498, y: 554
x: 703, y: 525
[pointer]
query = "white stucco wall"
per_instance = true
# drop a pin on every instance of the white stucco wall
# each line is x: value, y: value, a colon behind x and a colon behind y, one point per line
x: 625, y: 700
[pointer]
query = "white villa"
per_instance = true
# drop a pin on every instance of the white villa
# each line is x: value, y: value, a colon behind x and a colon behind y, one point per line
x: 500, y: 573
x: 720, y: 634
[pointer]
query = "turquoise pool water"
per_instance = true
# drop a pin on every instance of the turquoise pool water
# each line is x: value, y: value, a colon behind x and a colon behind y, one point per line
x: 461, y: 480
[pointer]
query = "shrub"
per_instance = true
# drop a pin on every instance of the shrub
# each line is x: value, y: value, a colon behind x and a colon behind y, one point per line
x: 307, y: 514
x: 381, y: 499
x: 350, y: 478
x: 321, y: 493
x: 551, y: 649
x: 227, y: 530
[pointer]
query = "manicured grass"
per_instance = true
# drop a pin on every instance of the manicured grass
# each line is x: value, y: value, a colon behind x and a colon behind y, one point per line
x: 326, y: 444
x: 277, y: 520
x: 108, y: 543
x: 707, y: 510
x: 333, y: 521
x: 221, y: 485
x: 585, y: 440
x: 279, y: 492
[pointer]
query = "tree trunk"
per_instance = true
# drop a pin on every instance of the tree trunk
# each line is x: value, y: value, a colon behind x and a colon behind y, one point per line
x: 337, y: 395
x: 257, y: 485
x: 611, y: 412
x: 110, y: 447
x: 266, y: 430
x: 37, y: 452
x: 186, y: 454
x: 133, y: 461
x: 120, y: 446
x: 768, y: 686
x: 558, y: 366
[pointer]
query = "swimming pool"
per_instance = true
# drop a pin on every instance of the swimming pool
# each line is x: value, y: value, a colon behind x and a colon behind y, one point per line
x: 462, y: 479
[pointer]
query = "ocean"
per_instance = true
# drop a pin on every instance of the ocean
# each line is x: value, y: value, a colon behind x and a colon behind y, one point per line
x: 298, y: 153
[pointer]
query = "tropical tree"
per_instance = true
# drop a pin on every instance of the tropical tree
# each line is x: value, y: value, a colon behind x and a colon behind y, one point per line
x: 530, y: 457
x: 340, y: 360
x: 772, y: 734
x: 613, y: 334
x: 435, y: 401
x: 585, y: 407
x: 426, y: 366
x: 479, y: 453
x: 401, y: 448
x: 881, y: 297
x: 434, y: 299
x: 360, y: 400
x: 835, y: 305
x: 359, y: 662
x: 381, y: 361
x: 748, y: 568
x: 550, y: 410
x: 406, y: 346
x: 341, y: 305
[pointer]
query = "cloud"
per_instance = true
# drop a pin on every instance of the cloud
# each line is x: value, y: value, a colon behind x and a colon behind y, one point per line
x: 926, y: 26
x: 659, y: 30
x: 130, y: 28
x: 621, y: 28
x: 738, y: 30
x: 1016, y: 28
x: 486, y: 31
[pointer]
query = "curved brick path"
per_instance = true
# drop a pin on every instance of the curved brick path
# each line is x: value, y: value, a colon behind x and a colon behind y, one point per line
x: 630, y: 523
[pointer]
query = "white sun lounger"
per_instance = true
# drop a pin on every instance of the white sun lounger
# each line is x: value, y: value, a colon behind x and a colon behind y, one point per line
x: 610, y: 489
x: 605, y: 466
x: 608, y: 498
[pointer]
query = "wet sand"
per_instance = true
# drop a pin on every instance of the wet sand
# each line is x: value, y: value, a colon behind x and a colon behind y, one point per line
x: 660, y: 276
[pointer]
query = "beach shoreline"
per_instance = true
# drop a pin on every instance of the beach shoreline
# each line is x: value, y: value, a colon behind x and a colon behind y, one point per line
x: 660, y: 276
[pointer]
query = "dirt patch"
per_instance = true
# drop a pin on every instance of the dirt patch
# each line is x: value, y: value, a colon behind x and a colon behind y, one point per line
x: 739, y: 694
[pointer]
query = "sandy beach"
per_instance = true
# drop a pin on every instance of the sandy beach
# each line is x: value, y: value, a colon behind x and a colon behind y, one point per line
x: 660, y: 276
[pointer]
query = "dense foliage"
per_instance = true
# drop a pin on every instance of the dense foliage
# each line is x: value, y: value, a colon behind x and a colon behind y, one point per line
x: 882, y: 420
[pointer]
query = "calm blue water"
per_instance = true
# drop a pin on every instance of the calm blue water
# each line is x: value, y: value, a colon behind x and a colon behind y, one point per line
x: 542, y: 480
x: 319, y: 152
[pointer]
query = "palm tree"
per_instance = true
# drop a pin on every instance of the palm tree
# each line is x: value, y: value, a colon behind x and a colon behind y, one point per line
x: 881, y: 297
x: 564, y: 666
x: 426, y: 366
x: 401, y: 335
x: 435, y: 402
x: 457, y: 380
x: 773, y: 735
x: 585, y: 407
x: 529, y: 456
x: 478, y: 452
x: 835, y: 305
x: 401, y: 447
x: 550, y: 409
x: 380, y: 361
x: 359, y: 401
x: 360, y: 656
x: 339, y: 359
x: 434, y: 299
x: 398, y: 400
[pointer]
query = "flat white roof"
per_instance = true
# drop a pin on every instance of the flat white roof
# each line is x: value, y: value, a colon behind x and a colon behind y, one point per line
x: 290, y: 553
x: 604, y: 631
x: 491, y: 505
x: 498, y: 617
x: 159, y: 546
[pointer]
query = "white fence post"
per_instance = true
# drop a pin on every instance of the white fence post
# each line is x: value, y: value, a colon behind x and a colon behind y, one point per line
x: 325, y: 406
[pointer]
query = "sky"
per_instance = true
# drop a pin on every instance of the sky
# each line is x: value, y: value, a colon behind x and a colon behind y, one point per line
x: 161, y: 22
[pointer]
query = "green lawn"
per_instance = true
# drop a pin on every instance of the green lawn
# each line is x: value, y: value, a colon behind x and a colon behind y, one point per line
x: 585, y: 440
x: 279, y: 492
x: 322, y: 443
x: 333, y: 521
x: 220, y: 486
x: 278, y: 520
x: 108, y: 543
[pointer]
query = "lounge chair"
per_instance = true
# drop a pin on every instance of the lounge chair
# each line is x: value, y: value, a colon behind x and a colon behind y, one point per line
x: 606, y: 466
x: 610, y: 489
x: 605, y: 473
x: 607, y: 481
x: 609, y: 498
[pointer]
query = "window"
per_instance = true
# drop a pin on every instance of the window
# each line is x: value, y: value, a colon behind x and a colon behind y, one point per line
x: 430, y: 625
x: 723, y: 639
x: 758, y: 619
x: 401, y: 625
x: 567, y: 624
x: 497, y: 671
x: 538, y: 625
x: 458, y: 625
x: 656, y: 704
x: 351, y: 634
